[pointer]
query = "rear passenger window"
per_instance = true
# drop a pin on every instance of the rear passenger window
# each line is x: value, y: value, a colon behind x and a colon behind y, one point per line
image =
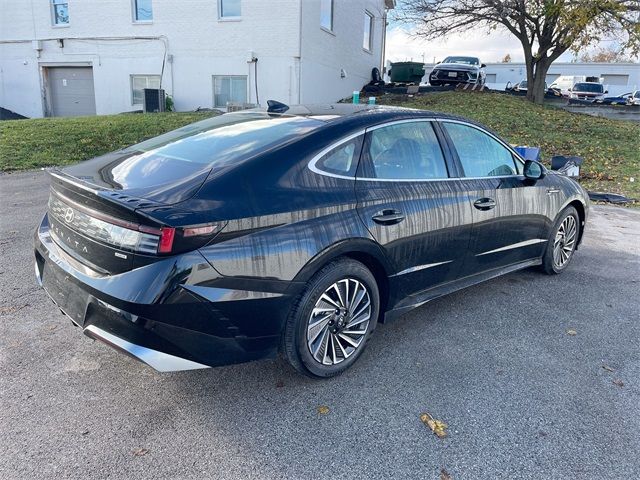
x: 480, y: 154
x: 407, y: 150
x: 343, y: 159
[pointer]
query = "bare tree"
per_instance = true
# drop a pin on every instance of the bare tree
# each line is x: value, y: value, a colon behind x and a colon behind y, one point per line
x: 545, y: 28
x: 605, y: 55
x: 506, y: 58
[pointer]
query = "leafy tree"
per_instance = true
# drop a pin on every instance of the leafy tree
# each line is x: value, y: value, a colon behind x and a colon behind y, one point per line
x: 545, y: 28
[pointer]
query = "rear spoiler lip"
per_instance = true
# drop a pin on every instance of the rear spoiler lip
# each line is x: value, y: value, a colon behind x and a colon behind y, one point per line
x: 76, y: 182
x: 104, y: 195
x: 138, y: 209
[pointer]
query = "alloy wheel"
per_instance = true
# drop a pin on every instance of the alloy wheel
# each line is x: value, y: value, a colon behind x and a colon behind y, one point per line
x: 339, y: 321
x: 565, y: 241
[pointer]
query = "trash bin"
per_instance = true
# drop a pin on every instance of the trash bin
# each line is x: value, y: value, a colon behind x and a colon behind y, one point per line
x: 528, y: 153
x: 407, y: 72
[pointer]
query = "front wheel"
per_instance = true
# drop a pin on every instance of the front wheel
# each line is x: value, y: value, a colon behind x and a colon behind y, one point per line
x: 562, y: 242
x: 333, y: 319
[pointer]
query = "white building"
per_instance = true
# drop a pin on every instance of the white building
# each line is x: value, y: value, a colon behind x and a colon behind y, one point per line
x: 617, y: 78
x: 81, y: 57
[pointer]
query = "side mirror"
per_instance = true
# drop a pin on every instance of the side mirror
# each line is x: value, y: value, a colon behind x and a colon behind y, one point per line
x: 533, y: 170
x: 569, y: 89
x: 606, y: 91
x: 483, y: 66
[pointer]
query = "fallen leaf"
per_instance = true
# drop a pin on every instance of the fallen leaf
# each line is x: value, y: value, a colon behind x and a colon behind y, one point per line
x: 323, y: 409
x: 618, y: 382
x: 608, y: 368
x: 436, y: 426
x: 444, y: 475
x: 86, y: 432
x: 139, y: 452
x: 572, y: 332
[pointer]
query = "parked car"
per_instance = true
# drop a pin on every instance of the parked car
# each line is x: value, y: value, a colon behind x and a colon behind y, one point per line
x: 587, y: 91
x: 454, y: 70
x: 254, y: 232
x: 521, y: 86
x: 623, y: 99
x: 634, y: 98
x: 564, y: 83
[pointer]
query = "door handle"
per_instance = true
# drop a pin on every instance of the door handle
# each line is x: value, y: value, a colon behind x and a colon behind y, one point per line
x: 388, y: 217
x: 484, y: 203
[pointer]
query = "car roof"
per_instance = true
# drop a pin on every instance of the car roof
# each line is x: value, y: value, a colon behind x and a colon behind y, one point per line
x: 343, y: 113
x: 352, y: 117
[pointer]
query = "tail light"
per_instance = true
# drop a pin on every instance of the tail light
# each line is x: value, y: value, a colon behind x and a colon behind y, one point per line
x: 127, y: 235
x: 167, y: 234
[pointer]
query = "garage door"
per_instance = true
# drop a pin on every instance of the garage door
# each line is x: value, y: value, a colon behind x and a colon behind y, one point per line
x: 71, y: 91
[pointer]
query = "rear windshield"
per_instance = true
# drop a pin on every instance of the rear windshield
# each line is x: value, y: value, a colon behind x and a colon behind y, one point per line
x: 219, y: 140
x: 464, y: 60
x: 588, y: 87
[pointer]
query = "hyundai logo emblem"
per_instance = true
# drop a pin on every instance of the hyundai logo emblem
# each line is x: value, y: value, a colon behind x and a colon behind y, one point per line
x: 68, y: 215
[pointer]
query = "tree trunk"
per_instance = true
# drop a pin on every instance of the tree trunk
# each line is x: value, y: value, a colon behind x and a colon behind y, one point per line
x: 536, y: 88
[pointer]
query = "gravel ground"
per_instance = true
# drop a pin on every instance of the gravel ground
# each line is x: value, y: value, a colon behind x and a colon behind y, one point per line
x: 522, y: 397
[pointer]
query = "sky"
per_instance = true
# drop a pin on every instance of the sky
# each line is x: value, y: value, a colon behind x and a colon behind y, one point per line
x: 488, y: 47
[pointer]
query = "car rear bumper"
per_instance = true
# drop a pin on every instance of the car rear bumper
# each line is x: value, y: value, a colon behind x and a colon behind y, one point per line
x: 175, y: 314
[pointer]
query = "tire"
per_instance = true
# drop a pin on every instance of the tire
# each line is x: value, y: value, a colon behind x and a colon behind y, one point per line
x: 562, y: 242
x: 331, y: 347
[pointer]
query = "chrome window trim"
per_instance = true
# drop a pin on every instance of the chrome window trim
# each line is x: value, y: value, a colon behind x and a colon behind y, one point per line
x: 312, y: 163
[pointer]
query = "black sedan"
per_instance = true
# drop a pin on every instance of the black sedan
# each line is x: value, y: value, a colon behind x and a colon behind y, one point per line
x: 454, y: 70
x: 253, y: 233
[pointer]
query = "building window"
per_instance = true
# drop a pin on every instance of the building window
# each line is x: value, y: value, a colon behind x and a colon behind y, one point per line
x: 139, y: 83
x: 142, y: 11
x: 326, y: 14
x: 229, y: 8
x: 367, y: 40
x: 60, y: 12
x: 229, y: 89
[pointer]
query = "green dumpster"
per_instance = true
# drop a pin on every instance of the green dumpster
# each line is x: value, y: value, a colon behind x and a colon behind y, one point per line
x: 407, y: 72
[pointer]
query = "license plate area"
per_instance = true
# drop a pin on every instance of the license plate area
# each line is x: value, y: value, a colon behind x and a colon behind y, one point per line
x: 71, y: 299
x: 453, y: 74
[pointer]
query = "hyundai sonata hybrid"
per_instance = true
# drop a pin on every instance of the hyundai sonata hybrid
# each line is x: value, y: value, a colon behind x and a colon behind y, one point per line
x: 260, y: 232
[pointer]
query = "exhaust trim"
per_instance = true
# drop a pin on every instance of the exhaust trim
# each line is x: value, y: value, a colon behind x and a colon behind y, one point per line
x: 160, y: 361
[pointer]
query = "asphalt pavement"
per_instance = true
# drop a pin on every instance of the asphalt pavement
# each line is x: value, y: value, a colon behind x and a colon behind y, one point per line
x: 537, y: 377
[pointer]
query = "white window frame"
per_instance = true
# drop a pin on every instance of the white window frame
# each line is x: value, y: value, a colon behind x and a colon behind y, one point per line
x: 213, y: 88
x: 134, y: 13
x: 371, y: 17
x: 52, y: 4
x: 145, y: 75
x: 331, y: 18
x: 234, y: 18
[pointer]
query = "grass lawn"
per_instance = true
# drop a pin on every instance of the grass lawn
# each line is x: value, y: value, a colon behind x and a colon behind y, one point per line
x: 611, y: 148
x: 35, y: 143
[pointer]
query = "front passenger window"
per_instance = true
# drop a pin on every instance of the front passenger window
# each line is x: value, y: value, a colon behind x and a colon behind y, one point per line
x: 408, y: 150
x: 480, y: 154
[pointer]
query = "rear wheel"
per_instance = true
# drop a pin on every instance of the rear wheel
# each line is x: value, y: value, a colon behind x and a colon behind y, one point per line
x: 333, y: 319
x: 562, y: 242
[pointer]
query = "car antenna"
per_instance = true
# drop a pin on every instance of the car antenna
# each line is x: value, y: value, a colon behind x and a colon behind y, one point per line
x: 275, y: 106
